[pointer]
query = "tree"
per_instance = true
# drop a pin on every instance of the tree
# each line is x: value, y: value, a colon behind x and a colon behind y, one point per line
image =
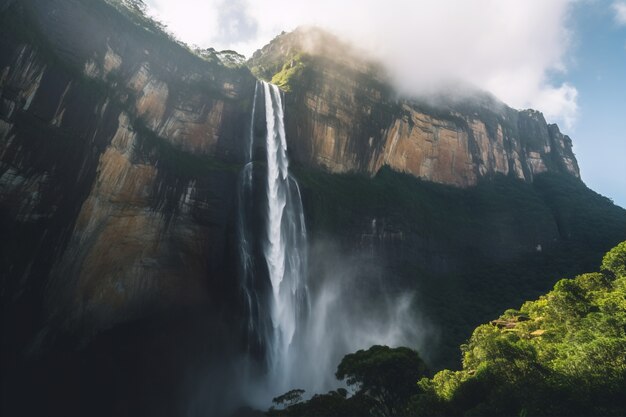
x: 332, y: 404
x: 387, y: 375
x: 615, y: 260
x: 563, y: 354
x: 289, y: 398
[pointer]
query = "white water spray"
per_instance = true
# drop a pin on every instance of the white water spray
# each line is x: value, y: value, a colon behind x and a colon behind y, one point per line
x: 275, y: 316
x: 299, y: 346
x: 285, y: 247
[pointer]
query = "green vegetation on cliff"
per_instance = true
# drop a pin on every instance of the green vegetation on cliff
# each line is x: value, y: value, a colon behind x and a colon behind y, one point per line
x: 291, y: 70
x: 563, y: 354
x: 475, y: 252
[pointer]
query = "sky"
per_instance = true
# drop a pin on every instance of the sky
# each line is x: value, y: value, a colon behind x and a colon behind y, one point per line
x: 566, y: 58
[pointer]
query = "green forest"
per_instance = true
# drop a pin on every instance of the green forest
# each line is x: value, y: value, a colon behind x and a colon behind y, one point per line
x: 562, y: 354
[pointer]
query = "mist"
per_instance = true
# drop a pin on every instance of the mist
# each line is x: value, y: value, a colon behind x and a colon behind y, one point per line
x: 308, y: 301
x: 352, y: 308
x: 516, y: 49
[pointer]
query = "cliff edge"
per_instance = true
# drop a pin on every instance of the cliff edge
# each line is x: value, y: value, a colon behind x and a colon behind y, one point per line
x: 345, y: 116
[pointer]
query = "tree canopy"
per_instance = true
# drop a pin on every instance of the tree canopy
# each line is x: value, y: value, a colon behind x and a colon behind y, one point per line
x: 563, y: 354
x: 385, y: 374
x: 382, y: 379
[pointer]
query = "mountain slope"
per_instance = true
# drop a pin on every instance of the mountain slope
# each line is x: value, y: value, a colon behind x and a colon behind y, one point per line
x: 346, y: 117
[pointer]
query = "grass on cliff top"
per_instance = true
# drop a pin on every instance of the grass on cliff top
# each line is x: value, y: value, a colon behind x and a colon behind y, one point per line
x: 291, y: 72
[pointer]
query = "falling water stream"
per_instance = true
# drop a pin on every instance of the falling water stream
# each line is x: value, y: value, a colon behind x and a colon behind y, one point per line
x: 295, y: 339
x: 284, y: 249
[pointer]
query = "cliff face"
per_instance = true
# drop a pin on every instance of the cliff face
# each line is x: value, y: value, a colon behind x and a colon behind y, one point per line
x: 119, y: 150
x: 346, y: 118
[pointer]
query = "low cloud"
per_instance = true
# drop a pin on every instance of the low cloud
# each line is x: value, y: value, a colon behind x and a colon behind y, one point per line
x: 511, y: 48
x: 235, y: 25
x: 619, y: 7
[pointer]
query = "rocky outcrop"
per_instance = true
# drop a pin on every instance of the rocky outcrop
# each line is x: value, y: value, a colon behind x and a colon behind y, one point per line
x: 344, y: 117
x: 431, y: 148
x: 112, y: 199
x: 459, y: 150
x: 129, y: 253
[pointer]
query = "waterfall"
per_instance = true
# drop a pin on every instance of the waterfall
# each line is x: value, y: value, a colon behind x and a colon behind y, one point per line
x: 295, y: 339
x: 246, y: 242
x: 275, y: 317
x: 251, y: 135
x: 285, y: 245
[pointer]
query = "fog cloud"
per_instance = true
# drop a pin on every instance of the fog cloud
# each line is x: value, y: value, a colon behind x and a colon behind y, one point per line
x: 619, y: 7
x: 511, y: 48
